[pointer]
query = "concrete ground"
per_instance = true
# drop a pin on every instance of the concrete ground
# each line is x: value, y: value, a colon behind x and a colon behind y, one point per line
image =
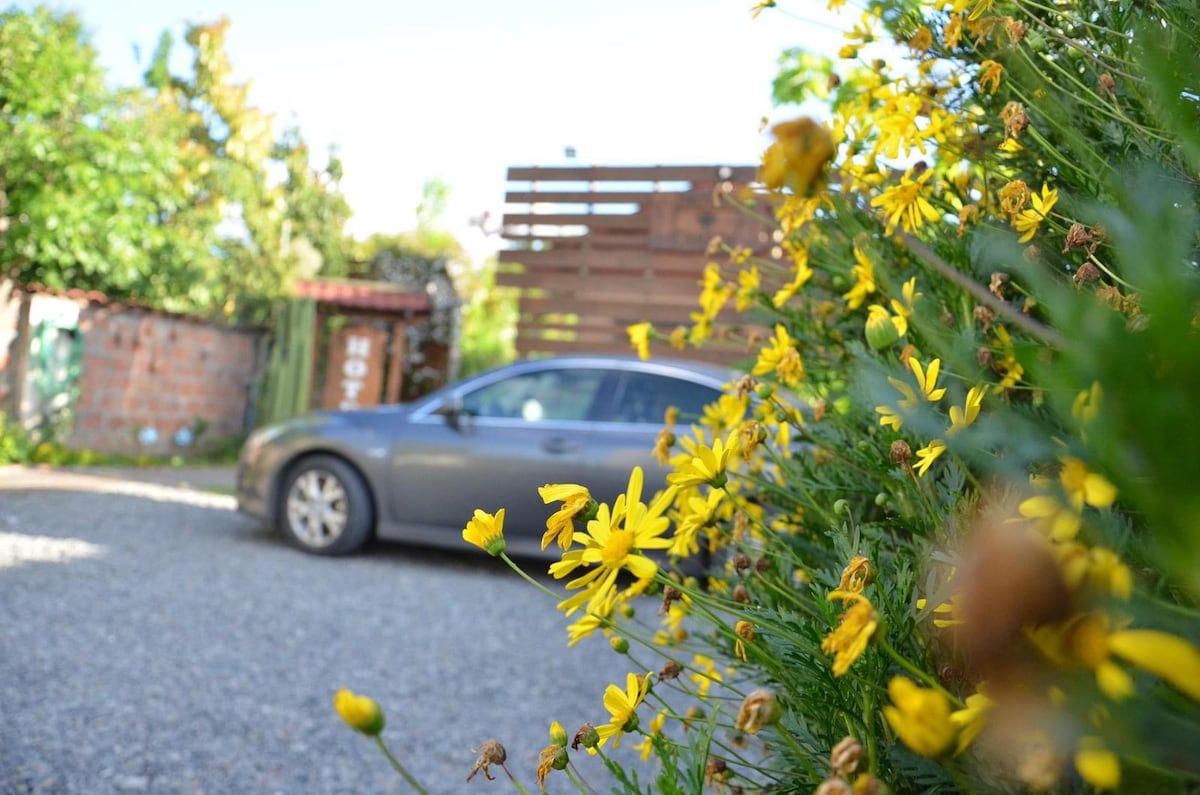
x: 208, y: 478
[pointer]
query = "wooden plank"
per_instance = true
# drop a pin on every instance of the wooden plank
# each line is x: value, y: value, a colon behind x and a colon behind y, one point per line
x: 586, y: 197
x: 603, y: 239
x: 580, y: 281
x: 395, y: 377
x: 713, y: 354
x: 607, y: 259
x: 709, y: 173
x: 605, y: 221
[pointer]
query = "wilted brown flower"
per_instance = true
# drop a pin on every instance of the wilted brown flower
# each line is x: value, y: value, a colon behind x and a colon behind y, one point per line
x: 901, y: 453
x: 984, y: 317
x: 715, y: 770
x: 857, y: 575
x: 845, y: 756
x: 1086, y: 274
x: 490, y: 753
x: 835, y: 786
x: 741, y: 562
x: 1015, y: 29
x: 1016, y: 121
x: 670, y: 670
x: 998, y: 283
x: 671, y: 595
x: 758, y: 709
x: 741, y: 594
x: 1107, y: 84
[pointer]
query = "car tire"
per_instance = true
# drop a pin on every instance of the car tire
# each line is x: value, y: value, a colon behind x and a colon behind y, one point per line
x: 325, y: 506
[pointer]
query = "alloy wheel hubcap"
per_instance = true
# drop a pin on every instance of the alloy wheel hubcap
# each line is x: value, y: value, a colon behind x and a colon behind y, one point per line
x: 317, y: 508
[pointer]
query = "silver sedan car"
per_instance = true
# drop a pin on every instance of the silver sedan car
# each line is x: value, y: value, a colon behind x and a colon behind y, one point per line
x: 332, y: 480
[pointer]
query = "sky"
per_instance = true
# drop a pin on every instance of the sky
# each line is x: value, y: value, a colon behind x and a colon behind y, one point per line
x: 462, y: 90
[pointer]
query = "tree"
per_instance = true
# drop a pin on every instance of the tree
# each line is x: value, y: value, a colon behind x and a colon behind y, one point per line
x: 165, y: 193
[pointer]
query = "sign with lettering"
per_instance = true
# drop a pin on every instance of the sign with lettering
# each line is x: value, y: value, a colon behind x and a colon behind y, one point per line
x: 354, y: 376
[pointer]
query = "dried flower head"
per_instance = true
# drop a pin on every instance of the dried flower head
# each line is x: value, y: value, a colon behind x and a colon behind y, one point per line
x: 900, y: 453
x: 587, y: 736
x: 1107, y: 84
x: 1015, y: 29
x: 999, y: 282
x: 1016, y: 121
x: 490, y: 753
x: 745, y: 385
x: 835, y: 785
x: 741, y: 594
x: 670, y: 670
x: 671, y: 594
x: 758, y: 709
x: 741, y: 562
x: 845, y: 756
x: 1087, y: 274
x: 715, y: 771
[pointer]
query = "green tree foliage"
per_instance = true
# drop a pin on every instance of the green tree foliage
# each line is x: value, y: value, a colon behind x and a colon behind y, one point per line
x: 177, y: 193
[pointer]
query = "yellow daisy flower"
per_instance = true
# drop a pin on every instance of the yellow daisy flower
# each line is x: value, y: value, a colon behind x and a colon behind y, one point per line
x: 622, y: 708
x: 639, y: 338
x: 849, y: 640
x: 920, y: 716
x: 576, y: 502
x: 486, y: 531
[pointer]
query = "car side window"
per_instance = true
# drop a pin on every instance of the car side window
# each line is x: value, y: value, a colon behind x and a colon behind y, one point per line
x: 562, y: 394
x: 645, y: 397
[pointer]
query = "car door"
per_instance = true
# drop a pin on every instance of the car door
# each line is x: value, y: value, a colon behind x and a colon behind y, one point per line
x: 509, y: 436
x: 628, y: 426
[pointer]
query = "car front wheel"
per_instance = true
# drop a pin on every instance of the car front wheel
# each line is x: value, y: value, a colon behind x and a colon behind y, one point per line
x: 326, y: 507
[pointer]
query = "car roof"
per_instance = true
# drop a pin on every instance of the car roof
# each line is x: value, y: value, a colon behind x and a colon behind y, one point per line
x: 631, y: 362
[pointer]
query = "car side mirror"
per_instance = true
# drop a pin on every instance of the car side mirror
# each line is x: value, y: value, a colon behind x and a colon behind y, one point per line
x: 452, y: 410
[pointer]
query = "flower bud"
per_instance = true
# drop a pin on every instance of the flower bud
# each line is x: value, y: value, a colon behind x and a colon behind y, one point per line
x: 842, y: 507
x: 558, y: 735
x: 360, y: 712
x: 881, y: 331
x: 587, y: 736
x: 619, y: 645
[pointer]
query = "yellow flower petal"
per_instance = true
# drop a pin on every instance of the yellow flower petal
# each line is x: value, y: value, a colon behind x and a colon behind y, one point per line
x: 1171, y: 659
x: 1097, y: 765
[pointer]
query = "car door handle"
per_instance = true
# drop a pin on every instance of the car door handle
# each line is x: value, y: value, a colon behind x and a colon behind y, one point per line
x: 557, y: 445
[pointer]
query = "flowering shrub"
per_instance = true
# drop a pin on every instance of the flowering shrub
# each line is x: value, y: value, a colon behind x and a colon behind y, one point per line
x: 954, y: 498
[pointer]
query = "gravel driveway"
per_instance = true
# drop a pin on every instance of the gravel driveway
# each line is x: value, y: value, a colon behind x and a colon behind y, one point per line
x: 154, y: 640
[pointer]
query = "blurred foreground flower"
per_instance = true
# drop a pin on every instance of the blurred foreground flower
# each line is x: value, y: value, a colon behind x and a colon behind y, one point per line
x: 801, y: 149
x: 920, y: 716
x: 361, y: 712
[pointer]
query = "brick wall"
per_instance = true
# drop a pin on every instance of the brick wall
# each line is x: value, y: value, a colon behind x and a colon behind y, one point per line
x: 142, y: 369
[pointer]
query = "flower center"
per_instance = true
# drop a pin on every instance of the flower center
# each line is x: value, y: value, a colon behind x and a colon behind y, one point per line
x: 618, y: 546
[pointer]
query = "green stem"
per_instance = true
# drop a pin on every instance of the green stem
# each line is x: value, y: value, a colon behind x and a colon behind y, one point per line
x: 412, y: 782
x: 520, y: 787
x: 504, y: 556
x: 577, y: 779
x: 910, y: 667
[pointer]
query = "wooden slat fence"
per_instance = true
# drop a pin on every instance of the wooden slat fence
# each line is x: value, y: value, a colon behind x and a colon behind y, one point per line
x: 596, y: 248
